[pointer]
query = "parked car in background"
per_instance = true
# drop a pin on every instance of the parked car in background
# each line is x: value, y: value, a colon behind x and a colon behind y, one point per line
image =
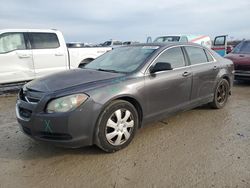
x: 129, y: 42
x: 26, y: 54
x: 81, y: 45
x: 111, y: 97
x: 198, y: 39
x: 241, y: 59
x: 219, y: 44
x: 112, y: 43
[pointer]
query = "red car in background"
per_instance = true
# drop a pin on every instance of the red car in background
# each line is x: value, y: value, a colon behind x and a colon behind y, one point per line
x: 241, y: 59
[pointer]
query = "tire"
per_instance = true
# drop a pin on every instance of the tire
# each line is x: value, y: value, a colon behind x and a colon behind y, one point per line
x: 221, y: 94
x: 117, y: 126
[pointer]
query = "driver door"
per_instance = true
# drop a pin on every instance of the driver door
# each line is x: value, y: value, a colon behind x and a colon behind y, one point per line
x: 220, y: 45
x: 168, y: 91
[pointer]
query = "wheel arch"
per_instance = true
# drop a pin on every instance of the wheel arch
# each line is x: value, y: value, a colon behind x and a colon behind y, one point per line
x: 226, y: 77
x: 135, y: 103
x: 127, y: 98
x: 85, y: 61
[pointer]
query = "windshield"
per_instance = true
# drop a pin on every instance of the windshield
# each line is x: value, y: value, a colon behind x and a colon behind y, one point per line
x: 243, y: 48
x: 123, y: 59
x: 167, y: 39
x: 107, y: 43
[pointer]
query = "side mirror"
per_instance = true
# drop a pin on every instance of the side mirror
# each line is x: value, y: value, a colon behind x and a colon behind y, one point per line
x: 160, y: 66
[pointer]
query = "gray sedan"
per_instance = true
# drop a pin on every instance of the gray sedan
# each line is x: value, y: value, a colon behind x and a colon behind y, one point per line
x: 110, y: 98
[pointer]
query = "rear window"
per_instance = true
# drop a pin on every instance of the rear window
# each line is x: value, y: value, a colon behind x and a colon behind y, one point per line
x: 43, y: 40
x: 243, y: 47
x: 196, y: 55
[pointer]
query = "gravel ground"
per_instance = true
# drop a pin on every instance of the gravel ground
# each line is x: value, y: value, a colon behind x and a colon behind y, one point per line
x: 198, y: 148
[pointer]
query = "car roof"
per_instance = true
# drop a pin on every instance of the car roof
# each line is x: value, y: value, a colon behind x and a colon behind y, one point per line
x: 28, y: 30
x: 167, y: 44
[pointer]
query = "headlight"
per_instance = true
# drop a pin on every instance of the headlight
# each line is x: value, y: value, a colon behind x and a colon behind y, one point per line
x: 65, y: 104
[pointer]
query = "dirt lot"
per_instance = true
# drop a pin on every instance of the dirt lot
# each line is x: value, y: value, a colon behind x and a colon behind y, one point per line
x: 198, y: 148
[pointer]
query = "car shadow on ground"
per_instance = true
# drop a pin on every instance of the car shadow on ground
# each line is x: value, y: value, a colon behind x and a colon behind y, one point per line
x: 23, y: 148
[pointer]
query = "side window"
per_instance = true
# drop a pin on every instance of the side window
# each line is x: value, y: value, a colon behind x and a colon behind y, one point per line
x: 43, y: 40
x: 184, y: 39
x: 220, y: 41
x: 117, y: 43
x: 209, y: 57
x: 12, y: 41
x: 174, y: 56
x: 196, y: 55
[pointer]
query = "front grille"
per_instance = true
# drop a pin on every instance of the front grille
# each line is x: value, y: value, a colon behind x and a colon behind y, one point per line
x: 30, y: 96
x: 25, y: 113
x: 55, y: 136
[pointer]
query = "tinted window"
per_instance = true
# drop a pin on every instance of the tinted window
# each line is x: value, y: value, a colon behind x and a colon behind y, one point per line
x: 209, y: 57
x: 124, y: 59
x: 196, y: 55
x: 44, y: 40
x: 167, y: 39
x: 243, y: 47
x: 174, y: 56
x: 11, y: 41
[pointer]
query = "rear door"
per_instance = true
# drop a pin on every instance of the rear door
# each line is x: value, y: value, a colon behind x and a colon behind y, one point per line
x: 169, y: 91
x: 220, y: 45
x: 205, y: 70
x: 48, y: 56
x: 16, y: 62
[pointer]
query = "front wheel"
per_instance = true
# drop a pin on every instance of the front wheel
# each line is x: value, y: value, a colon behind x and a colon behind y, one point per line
x: 117, y: 126
x: 221, y: 94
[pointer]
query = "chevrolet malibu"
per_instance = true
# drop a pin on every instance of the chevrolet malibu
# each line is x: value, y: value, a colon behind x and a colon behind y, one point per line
x: 106, y: 101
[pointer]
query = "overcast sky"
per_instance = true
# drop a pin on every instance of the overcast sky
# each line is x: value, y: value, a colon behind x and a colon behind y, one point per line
x: 100, y: 20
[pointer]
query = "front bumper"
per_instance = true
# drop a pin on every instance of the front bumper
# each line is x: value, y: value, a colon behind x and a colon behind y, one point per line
x: 72, y: 129
x: 241, y: 75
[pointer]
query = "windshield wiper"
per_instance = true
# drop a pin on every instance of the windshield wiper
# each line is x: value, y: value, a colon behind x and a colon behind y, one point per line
x: 109, y: 70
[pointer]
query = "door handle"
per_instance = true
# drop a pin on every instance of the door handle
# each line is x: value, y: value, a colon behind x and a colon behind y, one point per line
x: 215, y: 67
x: 24, y: 55
x: 185, y: 74
x: 241, y: 56
x: 59, y: 54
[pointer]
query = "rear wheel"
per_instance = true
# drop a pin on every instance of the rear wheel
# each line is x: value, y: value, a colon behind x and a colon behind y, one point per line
x: 117, y: 126
x: 221, y: 94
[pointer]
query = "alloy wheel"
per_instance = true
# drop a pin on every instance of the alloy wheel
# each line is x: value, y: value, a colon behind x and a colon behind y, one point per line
x: 221, y: 93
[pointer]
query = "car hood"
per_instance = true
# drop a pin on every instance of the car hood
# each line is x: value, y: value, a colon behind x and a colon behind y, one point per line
x: 239, y: 58
x: 70, y: 78
x: 241, y: 61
